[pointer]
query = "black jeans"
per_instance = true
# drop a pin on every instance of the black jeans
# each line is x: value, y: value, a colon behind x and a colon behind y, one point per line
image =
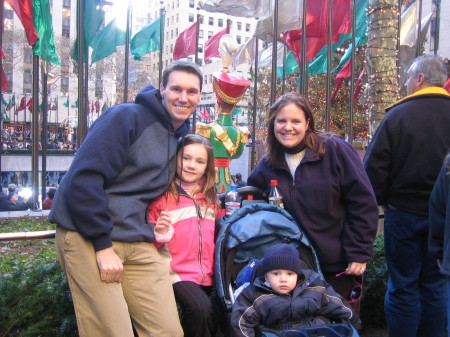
x: 197, y: 317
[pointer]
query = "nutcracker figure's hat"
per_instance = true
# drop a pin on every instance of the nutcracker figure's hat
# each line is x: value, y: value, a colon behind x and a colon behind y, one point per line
x: 228, y: 88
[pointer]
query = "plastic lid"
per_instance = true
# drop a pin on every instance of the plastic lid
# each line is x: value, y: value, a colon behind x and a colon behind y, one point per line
x: 233, y: 187
x: 274, y: 182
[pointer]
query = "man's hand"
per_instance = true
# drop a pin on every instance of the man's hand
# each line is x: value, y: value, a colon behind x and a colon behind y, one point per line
x: 109, y: 265
x: 356, y: 268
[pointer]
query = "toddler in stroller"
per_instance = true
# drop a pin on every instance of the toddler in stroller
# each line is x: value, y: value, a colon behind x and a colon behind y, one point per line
x: 245, y: 237
x: 286, y: 297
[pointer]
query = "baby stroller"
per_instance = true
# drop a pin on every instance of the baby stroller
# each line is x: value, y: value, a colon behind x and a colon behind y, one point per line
x: 244, y: 237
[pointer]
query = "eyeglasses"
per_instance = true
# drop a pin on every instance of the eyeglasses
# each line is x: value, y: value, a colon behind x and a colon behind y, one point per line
x: 357, y: 290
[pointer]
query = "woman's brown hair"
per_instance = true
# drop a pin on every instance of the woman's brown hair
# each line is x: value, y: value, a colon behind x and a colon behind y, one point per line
x: 311, y: 140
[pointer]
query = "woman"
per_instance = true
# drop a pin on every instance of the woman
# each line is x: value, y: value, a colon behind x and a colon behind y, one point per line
x: 324, y: 186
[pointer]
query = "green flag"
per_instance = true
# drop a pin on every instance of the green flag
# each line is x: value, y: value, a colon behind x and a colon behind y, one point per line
x: 66, y: 103
x: 13, y: 100
x: 5, y: 103
x: 76, y: 104
x: 45, y: 45
x: 104, y: 107
x: 147, y: 39
x: 93, y: 16
x: 106, y: 41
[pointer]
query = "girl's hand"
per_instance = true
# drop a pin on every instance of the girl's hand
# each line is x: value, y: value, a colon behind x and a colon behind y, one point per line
x: 356, y: 268
x: 163, y: 223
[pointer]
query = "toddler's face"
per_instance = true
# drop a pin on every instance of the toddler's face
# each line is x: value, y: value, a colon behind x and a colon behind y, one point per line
x: 281, y: 280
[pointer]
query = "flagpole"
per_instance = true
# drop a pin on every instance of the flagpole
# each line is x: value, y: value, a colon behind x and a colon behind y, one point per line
x: 127, y: 53
x: 437, y: 23
x: 44, y: 130
x: 161, y: 41
x: 273, y: 82
x: 255, y: 94
x: 352, y: 78
x: 81, y: 129
x: 2, y: 5
x: 57, y: 109
x: 194, y: 117
x: 303, y: 72
x: 283, y: 82
x: 329, y: 55
x: 35, y: 135
x: 419, y: 28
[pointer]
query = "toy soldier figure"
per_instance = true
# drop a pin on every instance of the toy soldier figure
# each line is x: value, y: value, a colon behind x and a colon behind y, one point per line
x: 227, y: 139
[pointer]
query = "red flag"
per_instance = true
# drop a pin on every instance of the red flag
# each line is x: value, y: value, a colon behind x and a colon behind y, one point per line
x: 24, y: 10
x: 30, y: 104
x: 97, y: 106
x: 186, y: 43
x: 358, y: 85
x: 22, y: 105
x: 212, y: 45
x: 206, y: 114
x: 317, y: 27
x: 447, y: 85
x: 4, y: 80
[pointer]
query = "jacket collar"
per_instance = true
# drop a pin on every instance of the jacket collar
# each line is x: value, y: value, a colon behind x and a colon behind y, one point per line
x: 431, y: 91
x: 310, y: 156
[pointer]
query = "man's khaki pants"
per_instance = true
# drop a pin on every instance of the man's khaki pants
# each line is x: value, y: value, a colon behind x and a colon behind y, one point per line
x: 104, y: 309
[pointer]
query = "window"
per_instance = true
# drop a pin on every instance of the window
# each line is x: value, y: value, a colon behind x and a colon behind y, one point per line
x: 66, y: 3
x: 177, y: 18
x: 201, y: 18
x: 239, y: 26
x: 171, y: 34
x: 65, y: 82
x: 191, y: 4
x: 66, y: 27
x: 247, y: 27
x: 27, y: 77
x: 191, y: 17
x: 200, y: 34
x: 200, y: 48
x: 28, y: 58
x: 210, y: 34
x: 220, y: 22
x: 205, y: 79
x: 211, y: 21
x: 238, y: 39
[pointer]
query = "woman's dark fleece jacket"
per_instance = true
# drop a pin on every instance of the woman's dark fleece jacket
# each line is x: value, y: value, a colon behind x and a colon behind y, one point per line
x: 127, y: 159
x: 313, y: 303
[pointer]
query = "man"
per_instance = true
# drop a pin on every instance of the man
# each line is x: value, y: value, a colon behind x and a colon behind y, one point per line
x: 12, y: 203
x: 103, y: 240
x: 239, y: 182
x: 402, y: 162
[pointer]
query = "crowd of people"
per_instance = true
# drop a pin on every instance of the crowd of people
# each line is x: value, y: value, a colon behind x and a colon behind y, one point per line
x: 136, y: 224
x: 13, y: 139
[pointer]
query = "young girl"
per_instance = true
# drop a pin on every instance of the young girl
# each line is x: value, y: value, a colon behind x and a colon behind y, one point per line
x: 184, y: 220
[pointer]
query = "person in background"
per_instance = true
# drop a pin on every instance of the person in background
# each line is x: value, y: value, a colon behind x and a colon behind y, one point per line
x: 324, y: 187
x: 439, y: 234
x: 47, y: 203
x: 12, y: 203
x: 184, y: 219
x: 239, y: 182
x: 301, y: 298
x: 117, y: 278
x: 402, y: 161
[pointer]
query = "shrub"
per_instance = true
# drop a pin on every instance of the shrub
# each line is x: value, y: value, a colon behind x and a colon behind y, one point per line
x: 35, y: 301
x: 375, y: 284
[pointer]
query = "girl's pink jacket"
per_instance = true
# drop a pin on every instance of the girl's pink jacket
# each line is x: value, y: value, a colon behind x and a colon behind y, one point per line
x: 190, y: 252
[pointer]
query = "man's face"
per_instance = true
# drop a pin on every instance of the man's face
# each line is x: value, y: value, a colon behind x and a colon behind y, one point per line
x: 181, y: 96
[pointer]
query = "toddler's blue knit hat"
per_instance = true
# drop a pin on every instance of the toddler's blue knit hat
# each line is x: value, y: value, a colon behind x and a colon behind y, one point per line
x: 282, y: 256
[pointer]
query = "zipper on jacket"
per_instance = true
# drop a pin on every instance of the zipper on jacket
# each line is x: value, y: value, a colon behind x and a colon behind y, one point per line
x: 200, y: 239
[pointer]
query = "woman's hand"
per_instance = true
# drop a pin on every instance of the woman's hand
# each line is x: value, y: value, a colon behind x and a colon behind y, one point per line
x: 356, y: 268
x: 163, y: 223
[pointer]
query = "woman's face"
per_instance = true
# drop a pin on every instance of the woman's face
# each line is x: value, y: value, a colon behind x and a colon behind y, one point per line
x: 290, y: 125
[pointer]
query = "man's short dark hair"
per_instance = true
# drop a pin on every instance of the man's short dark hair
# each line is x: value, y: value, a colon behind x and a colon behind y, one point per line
x: 238, y: 176
x: 185, y: 66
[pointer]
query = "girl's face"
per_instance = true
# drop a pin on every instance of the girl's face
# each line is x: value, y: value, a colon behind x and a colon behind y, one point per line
x: 192, y: 162
x: 290, y: 125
